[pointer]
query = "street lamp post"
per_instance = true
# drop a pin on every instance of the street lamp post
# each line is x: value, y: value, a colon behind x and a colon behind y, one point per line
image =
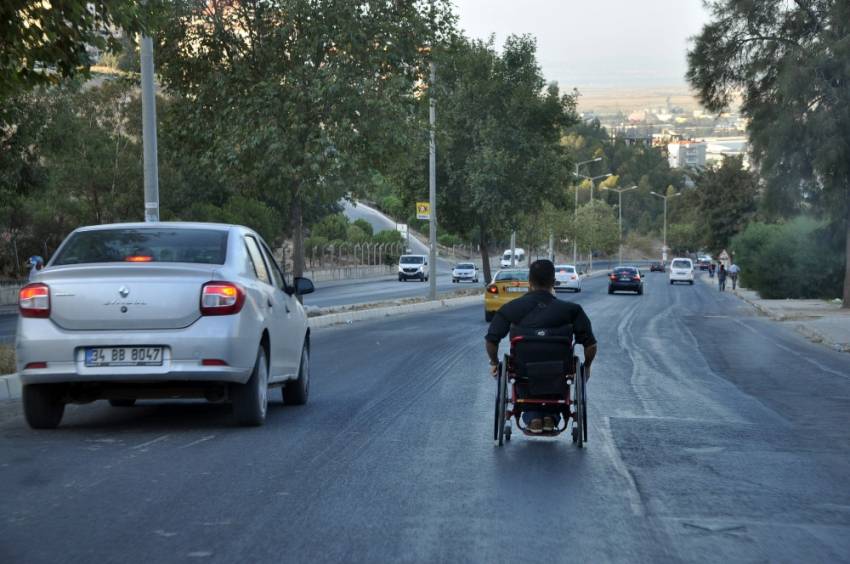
x: 575, y: 211
x: 619, y: 192
x: 664, y: 247
x: 592, y: 180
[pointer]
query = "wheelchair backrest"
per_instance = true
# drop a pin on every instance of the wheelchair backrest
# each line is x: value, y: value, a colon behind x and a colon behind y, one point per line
x: 544, y: 361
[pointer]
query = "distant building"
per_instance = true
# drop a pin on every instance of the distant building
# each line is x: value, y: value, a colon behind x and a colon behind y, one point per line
x: 686, y: 154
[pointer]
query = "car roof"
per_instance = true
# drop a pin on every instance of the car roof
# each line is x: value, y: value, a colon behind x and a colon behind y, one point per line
x: 167, y: 224
x: 564, y: 266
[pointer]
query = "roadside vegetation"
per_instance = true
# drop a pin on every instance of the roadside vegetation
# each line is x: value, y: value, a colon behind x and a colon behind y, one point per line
x: 270, y: 114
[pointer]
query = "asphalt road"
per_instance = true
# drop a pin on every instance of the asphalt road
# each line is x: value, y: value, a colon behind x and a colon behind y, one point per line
x: 715, y: 435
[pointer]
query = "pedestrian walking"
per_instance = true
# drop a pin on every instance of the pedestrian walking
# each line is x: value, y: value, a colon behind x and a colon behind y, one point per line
x: 711, y: 270
x: 721, y: 278
x: 733, y: 274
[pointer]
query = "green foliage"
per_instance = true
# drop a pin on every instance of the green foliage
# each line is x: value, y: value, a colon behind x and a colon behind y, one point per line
x: 726, y: 202
x: 303, y: 99
x: 356, y: 235
x: 365, y: 226
x: 683, y: 238
x: 791, y: 260
x: 388, y: 236
x: 45, y: 42
x: 448, y: 240
x: 790, y: 62
x: 333, y: 227
x: 596, y: 227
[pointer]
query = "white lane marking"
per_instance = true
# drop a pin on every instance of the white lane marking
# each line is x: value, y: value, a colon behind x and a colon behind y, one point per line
x: 166, y: 534
x: 199, y: 441
x: 632, y: 491
x: 156, y: 440
x: 200, y: 554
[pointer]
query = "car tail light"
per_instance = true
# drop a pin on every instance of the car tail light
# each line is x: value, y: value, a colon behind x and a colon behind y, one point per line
x: 636, y: 277
x: 32, y: 365
x: 613, y: 277
x: 34, y: 300
x: 213, y: 362
x: 221, y: 298
x: 493, y: 289
x: 138, y: 258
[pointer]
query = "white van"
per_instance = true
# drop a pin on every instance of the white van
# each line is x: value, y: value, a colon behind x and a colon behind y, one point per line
x: 682, y: 270
x: 519, y: 259
x: 413, y: 266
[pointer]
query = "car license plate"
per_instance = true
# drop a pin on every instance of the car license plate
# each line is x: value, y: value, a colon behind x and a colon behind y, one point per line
x: 124, y: 356
x: 516, y: 289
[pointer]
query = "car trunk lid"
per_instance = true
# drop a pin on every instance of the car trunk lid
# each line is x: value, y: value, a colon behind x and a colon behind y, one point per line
x: 126, y: 297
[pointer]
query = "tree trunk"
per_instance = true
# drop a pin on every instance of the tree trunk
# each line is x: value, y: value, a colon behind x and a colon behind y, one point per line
x: 485, y: 258
x: 297, y: 221
x: 846, y: 302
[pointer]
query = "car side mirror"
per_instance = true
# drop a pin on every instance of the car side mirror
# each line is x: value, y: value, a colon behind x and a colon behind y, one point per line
x: 303, y: 286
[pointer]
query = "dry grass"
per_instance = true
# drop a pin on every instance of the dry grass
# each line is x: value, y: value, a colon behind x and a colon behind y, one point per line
x: 7, y: 359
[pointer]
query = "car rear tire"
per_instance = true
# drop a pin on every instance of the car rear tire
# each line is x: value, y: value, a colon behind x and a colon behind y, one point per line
x: 610, y: 290
x: 640, y: 292
x: 297, y: 391
x: 122, y: 402
x: 488, y: 316
x: 691, y: 282
x: 250, y: 400
x: 43, y: 405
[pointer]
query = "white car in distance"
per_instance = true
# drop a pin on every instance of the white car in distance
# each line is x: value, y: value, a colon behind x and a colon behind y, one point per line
x: 413, y: 266
x: 465, y: 271
x: 519, y: 259
x: 682, y: 270
x: 567, y: 278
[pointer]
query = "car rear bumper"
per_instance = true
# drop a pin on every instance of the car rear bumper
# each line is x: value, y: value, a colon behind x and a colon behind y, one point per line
x: 625, y: 286
x: 681, y: 277
x: 567, y: 284
x: 223, y: 338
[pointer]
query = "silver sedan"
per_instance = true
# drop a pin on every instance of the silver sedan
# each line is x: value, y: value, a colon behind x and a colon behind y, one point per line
x: 152, y: 310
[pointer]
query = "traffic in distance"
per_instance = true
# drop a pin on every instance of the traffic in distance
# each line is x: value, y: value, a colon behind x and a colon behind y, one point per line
x: 123, y: 312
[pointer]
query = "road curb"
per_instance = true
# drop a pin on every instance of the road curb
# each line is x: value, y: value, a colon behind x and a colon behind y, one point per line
x: 10, y: 386
x: 346, y: 317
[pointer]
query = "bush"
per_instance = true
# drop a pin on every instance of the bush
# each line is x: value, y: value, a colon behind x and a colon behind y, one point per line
x: 332, y: 227
x: 798, y: 259
x: 355, y: 234
x: 448, y: 240
x: 364, y: 226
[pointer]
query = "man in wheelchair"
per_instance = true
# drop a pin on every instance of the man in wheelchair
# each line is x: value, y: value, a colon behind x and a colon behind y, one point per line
x: 540, y: 314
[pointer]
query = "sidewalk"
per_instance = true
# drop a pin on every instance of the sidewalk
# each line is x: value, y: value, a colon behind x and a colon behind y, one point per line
x: 819, y: 321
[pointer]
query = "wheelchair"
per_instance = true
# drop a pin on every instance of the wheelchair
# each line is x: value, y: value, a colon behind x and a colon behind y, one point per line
x: 541, y: 374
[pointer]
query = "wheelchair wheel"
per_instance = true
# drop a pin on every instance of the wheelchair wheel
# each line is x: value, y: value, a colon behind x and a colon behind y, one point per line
x: 579, y: 416
x: 584, y: 403
x: 500, y: 407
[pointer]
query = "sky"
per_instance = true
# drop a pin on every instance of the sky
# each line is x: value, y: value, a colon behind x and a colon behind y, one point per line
x: 595, y: 43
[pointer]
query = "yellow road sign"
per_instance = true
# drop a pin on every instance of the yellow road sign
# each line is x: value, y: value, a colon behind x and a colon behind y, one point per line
x: 423, y: 210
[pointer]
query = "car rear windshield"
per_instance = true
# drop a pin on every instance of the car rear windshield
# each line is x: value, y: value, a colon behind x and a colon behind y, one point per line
x: 465, y: 266
x: 565, y: 268
x: 681, y: 264
x: 412, y: 260
x: 204, y: 246
x: 625, y: 270
x: 512, y: 275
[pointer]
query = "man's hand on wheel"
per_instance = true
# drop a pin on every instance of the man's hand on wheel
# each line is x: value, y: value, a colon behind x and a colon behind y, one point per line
x: 494, y: 370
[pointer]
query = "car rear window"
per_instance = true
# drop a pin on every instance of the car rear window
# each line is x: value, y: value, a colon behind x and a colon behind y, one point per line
x: 625, y: 270
x: 512, y: 275
x: 204, y: 246
x: 681, y: 264
x: 568, y: 269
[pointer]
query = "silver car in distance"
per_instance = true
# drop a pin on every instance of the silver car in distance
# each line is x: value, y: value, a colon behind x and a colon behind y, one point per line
x: 160, y: 310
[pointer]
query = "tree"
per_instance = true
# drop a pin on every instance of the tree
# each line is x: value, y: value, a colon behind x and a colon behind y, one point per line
x: 499, y: 127
x: 296, y: 102
x: 45, y: 42
x: 596, y: 228
x: 790, y: 63
x: 727, y: 201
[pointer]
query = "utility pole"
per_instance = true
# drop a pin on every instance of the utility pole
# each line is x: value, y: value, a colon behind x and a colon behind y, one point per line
x: 592, y: 180
x: 151, y: 166
x: 619, y: 192
x: 664, y: 244
x: 432, y: 185
x: 575, y: 211
x: 552, y: 247
x: 513, y: 249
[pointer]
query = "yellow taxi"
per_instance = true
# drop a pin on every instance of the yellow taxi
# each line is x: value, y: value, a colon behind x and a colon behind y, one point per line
x: 507, y: 285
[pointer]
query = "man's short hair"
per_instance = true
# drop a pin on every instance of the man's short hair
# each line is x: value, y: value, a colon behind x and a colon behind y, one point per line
x: 541, y: 273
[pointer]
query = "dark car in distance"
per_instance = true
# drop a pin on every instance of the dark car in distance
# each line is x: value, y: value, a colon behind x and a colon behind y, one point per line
x: 626, y: 279
x: 657, y: 267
